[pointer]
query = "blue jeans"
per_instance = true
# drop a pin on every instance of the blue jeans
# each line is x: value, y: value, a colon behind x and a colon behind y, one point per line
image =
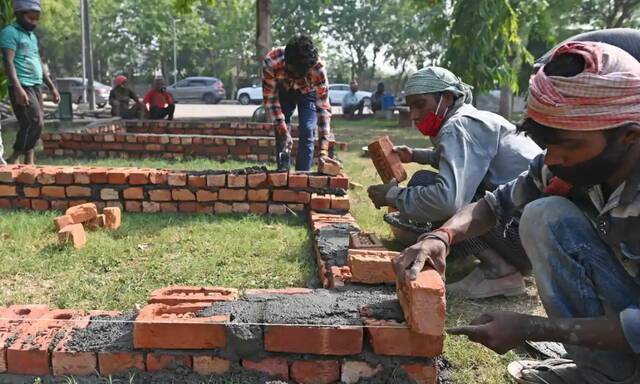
x: 308, y: 122
x: 579, y: 276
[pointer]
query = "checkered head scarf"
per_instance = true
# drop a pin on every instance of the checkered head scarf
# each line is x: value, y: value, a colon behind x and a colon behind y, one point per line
x: 435, y: 80
x: 605, y: 95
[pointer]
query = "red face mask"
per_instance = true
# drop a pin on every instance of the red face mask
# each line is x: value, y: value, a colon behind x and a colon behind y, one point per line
x: 430, y: 125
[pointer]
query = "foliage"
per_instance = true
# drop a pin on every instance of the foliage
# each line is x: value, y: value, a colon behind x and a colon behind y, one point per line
x: 6, y: 16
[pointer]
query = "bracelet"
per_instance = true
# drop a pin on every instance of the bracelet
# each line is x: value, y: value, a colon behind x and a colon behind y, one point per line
x: 447, y: 232
x: 431, y: 235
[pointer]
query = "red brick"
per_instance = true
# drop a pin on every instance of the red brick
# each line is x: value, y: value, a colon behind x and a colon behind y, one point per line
x: 240, y: 207
x: 339, y: 182
x: 258, y: 195
x: 320, y: 202
x: 75, y: 191
x: 109, y: 194
x: 297, y: 180
x: 371, y: 266
x: 64, y: 176
x: 21, y: 203
x: 340, y: 203
x: 81, y: 178
x: 277, y: 179
x: 50, y: 191
x: 47, y: 176
x: 232, y: 195
x: 139, y: 178
x: 421, y: 373
x: 386, y: 161
x: 65, y: 362
x: 169, y: 207
x: 159, y: 362
x: 8, y: 190
x: 354, y: 371
x: 74, y: 234
x: 27, y: 176
x: 160, y: 195
x: 82, y: 213
x: 111, y: 204
x: 340, y: 276
x: 39, y: 205
x: 278, y: 209
x: 182, y: 194
x: 338, y: 341
x: 423, y: 302
x: 31, y: 191
x: 318, y: 181
x: 362, y: 240
x: 257, y: 180
x: 133, y: 193
x: 275, y: 367
x: 315, y: 372
x: 182, y: 294
x: 62, y: 221
x: 112, y: 218
x: 258, y: 208
x: 236, y: 181
x: 96, y: 223
x: 288, y: 196
x: 60, y: 205
x: 390, y: 338
x: 112, y: 363
x: 177, y: 327
x: 210, y: 365
x: 197, y: 181
x: 217, y: 180
x: 177, y: 179
x: 150, y: 207
x: 329, y: 168
x: 117, y: 176
x: 99, y: 176
x: 204, y: 195
x: 221, y: 208
x: 158, y: 177
x: 133, y: 206
x: 8, y: 174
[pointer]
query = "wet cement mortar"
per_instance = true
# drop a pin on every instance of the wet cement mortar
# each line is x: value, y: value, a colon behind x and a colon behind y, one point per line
x: 105, y: 334
x: 333, y: 243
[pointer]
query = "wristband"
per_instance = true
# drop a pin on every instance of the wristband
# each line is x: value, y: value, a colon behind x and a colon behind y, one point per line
x: 447, y: 232
x: 431, y: 235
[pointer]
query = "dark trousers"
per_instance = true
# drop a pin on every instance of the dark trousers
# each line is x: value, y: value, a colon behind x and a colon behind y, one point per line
x: 158, y: 113
x: 30, y: 118
x: 350, y: 110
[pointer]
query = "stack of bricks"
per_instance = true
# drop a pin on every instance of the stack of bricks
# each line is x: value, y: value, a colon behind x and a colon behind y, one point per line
x: 170, y: 140
x: 156, y: 190
x: 71, y: 226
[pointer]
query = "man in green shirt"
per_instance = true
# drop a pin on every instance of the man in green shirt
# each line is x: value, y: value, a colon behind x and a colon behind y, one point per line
x: 24, y: 69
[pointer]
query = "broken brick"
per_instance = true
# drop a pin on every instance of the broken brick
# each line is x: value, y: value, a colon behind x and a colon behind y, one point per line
x: 62, y: 221
x: 112, y: 217
x: 74, y: 234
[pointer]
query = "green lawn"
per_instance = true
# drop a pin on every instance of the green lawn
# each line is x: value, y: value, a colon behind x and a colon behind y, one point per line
x: 117, y: 270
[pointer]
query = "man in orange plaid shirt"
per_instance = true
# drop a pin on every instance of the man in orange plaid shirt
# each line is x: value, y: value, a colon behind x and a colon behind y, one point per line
x: 294, y: 76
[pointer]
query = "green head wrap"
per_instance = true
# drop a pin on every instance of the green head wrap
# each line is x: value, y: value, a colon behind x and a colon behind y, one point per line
x: 435, y: 80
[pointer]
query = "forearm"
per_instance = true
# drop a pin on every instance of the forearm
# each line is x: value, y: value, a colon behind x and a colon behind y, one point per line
x: 425, y: 156
x: 10, y: 70
x: 46, y: 77
x: 471, y: 221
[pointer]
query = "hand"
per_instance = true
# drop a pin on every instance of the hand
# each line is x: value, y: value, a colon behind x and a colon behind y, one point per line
x: 498, y: 331
x: 378, y: 193
x: 327, y: 159
x: 405, y: 153
x: 288, y: 142
x: 428, y: 252
x: 55, y: 95
x: 21, y: 97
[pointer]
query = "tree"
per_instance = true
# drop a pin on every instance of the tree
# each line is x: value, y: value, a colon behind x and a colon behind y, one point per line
x: 609, y: 13
x: 6, y: 16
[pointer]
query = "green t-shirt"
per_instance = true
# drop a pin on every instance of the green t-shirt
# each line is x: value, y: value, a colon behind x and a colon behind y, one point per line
x: 27, y: 59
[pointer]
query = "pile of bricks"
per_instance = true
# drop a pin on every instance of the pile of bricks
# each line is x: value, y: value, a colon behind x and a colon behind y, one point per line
x: 71, y: 226
x: 252, y: 190
x: 170, y: 140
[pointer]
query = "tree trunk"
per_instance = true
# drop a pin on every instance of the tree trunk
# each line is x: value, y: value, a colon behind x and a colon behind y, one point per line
x: 506, y: 102
x: 264, y: 40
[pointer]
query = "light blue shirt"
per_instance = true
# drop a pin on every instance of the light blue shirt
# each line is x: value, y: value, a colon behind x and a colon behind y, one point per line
x: 350, y: 100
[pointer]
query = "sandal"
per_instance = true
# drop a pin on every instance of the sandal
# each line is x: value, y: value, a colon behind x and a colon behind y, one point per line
x: 551, y: 371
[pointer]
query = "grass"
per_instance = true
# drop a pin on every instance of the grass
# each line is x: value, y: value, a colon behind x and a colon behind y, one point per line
x: 117, y: 270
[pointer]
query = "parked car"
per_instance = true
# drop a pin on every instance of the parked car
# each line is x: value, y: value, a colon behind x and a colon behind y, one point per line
x: 75, y: 86
x: 208, y: 89
x: 248, y: 95
x: 337, y: 92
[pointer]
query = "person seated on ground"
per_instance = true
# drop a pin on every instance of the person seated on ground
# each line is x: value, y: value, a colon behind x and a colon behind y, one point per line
x: 295, y: 77
x: 350, y: 102
x: 158, y: 102
x: 474, y: 152
x: 580, y: 222
x: 119, y: 98
x: 376, y: 98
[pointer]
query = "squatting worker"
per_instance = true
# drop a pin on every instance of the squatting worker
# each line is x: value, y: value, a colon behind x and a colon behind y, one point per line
x: 158, y: 101
x: 474, y: 152
x: 120, y: 98
x: 584, y: 107
x: 24, y: 69
x: 295, y: 77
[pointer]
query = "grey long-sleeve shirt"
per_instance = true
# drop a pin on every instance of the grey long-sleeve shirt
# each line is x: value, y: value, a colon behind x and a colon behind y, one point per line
x: 473, y: 148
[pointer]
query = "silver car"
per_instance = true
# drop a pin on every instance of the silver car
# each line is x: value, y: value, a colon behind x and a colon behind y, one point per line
x: 75, y: 86
x: 208, y: 89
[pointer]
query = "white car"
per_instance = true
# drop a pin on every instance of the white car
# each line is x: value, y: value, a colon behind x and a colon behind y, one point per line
x: 253, y: 94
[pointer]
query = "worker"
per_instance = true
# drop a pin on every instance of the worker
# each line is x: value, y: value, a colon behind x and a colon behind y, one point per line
x: 158, y: 101
x: 120, y: 97
x: 350, y: 102
x: 582, y: 238
x: 474, y: 152
x: 377, y: 98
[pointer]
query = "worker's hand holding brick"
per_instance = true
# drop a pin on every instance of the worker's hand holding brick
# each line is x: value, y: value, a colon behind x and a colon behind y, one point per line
x: 428, y: 253
x: 378, y: 193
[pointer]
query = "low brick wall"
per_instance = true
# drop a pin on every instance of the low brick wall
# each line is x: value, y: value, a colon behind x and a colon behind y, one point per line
x: 252, y: 190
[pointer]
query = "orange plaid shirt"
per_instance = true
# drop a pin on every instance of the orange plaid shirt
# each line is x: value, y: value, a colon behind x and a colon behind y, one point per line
x: 274, y: 72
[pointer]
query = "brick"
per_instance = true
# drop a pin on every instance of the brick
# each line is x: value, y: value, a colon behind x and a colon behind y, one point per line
x: 62, y: 221
x: 75, y: 191
x: 182, y: 294
x: 275, y: 367
x: 112, y: 218
x: 340, y: 203
x: 189, y: 207
x: 362, y: 240
x: 258, y: 208
x: 8, y: 174
x: 109, y: 194
x: 339, y: 182
x: 182, y: 194
x: 74, y: 234
x: 46, y: 177
x: 222, y: 208
x: 204, y: 195
x: 96, y: 223
x: 159, y: 362
x: 51, y: 191
x: 177, y: 179
x: 329, y: 168
x: 236, y: 181
x: 232, y: 195
x: 354, y: 371
x: 386, y: 161
x: 39, y: 205
x: 150, y: 207
x: 133, y: 193
x: 82, y: 213
x: 240, y: 207
x: 217, y: 180
x: 64, y: 176
x: 27, y: 176
x: 391, y: 338
x: 22, y: 203
x: 65, y: 362
x: 278, y: 209
x: 296, y: 207
x: 81, y: 178
x: 197, y: 181
x: 113, y: 204
x: 210, y: 365
x: 257, y: 180
x: 423, y: 302
x: 31, y: 191
x: 340, y: 276
x: 158, y: 177
x: 338, y: 341
x: 288, y: 196
x: 177, y: 327
x: 99, y: 176
x: 258, y: 195
x: 117, y: 176
x: 277, y: 179
x: 169, y: 207
x: 371, y: 266
x: 298, y: 181
x: 8, y: 190
x: 421, y: 373
x: 59, y: 205
x: 318, y: 181
x: 133, y: 206
x: 320, y: 202
x: 160, y: 195
x: 139, y: 178
x: 113, y: 363
x: 315, y: 372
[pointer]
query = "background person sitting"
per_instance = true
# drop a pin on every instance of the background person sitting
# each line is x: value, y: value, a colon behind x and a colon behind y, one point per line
x: 158, y: 102
x: 350, y: 102
x: 119, y: 98
x: 376, y: 98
